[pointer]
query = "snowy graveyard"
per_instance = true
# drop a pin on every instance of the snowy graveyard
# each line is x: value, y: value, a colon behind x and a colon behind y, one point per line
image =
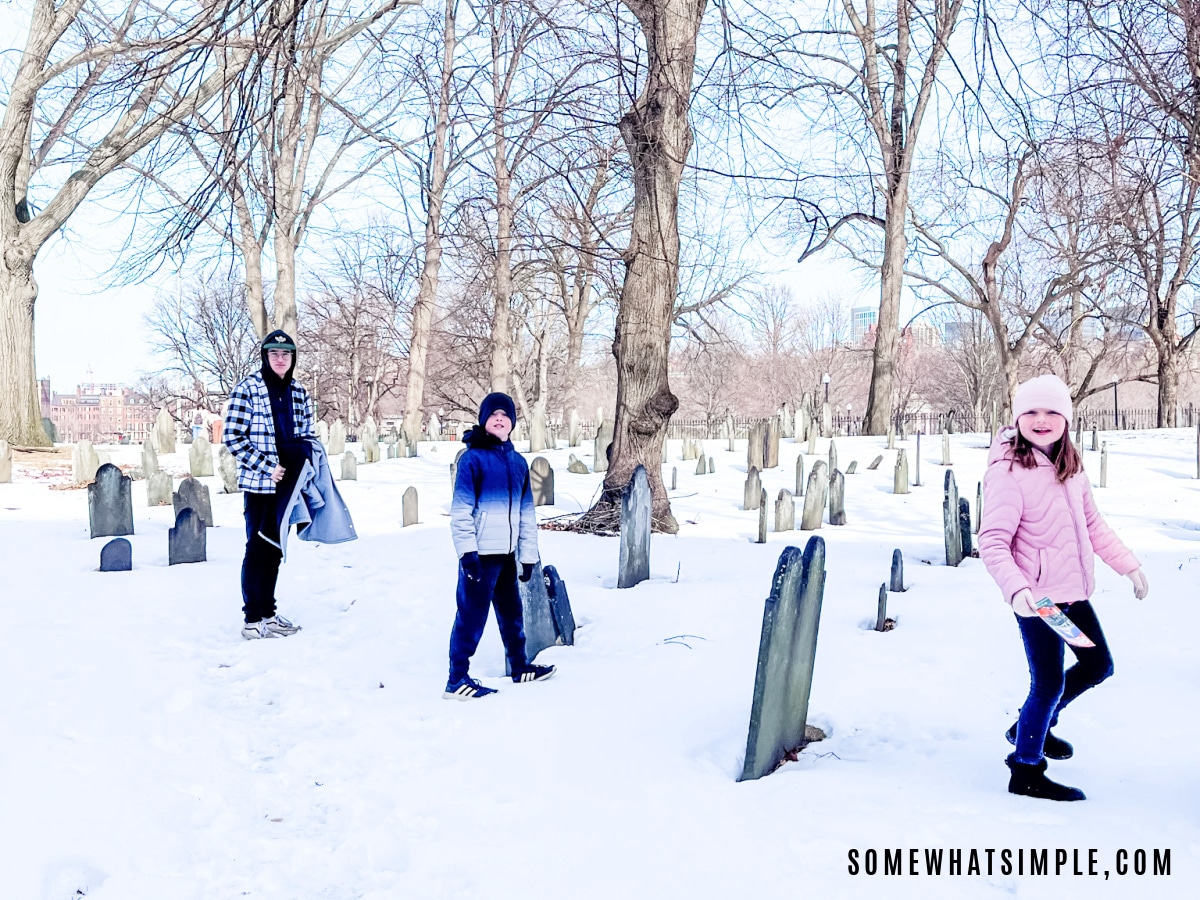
x: 148, y: 751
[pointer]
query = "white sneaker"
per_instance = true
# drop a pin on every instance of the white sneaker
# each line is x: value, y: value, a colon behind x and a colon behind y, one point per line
x: 280, y: 627
x: 254, y: 630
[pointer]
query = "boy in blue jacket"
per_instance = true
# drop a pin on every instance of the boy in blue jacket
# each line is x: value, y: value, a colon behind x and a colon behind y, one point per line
x: 493, y: 525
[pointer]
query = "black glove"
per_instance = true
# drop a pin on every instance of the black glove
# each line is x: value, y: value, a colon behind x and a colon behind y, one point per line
x: 471, y: 567
x: 526, y: 571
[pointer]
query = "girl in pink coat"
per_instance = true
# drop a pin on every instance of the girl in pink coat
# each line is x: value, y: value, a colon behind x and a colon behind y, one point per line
x: 1039, y: 537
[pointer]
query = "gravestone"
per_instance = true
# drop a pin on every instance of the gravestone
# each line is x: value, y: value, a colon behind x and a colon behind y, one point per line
x: 979, y: 505
x: 712, y: 468
x: 560, y: 606
x: 370, y: 441
x: 404, y: 450
x: 116, y: 556
x: 603, y: 440
x: 110, y: 503
x: 964, y: 526
x: 541, y: 482
x: 837, y: 498
x: 337, y: 438
x: 753, y: 486
x: 826, y: 420
x: 102, y: 458
x: 946, y: 449
x: 701, y: 466
x: 771, y: 449
x: 393, y: 450
x: 689, y: 450
x: 159, y: 489
x: 408, y: 507
x: 187, y: 541
x: 349, y: 467
x: 541, y: 630
x: 84, y: 462
x: 674, y: 478
x: 852, y: 468
x: 900, y: 475
x: 193, y: 495
x: 200, y: 457
x: 891, y: 435
x: 800, y: 475
x: 228, y: 468
x: 1104, y: 464
x: 881, y: 609
x: 164, y: 432
x: 786, y: 653
x: 635, y: 530
x: 785, y: 511
x: 897, y: 579
x: 875, y: 463
x: 433, y: 429
x: 574, y: 431
x: 322, y: 428
x: 762, y: 516
x: 812, y: 439
x: 917, y: 469
x: 575, y: 467
x: 803, y: 424
x: 814, y: 498
x: 149, y: 459
x: 833, y: 457
x: 1095, y: 439
x: 755, y: 445
x: 950, y: 521
x: 5, y: 463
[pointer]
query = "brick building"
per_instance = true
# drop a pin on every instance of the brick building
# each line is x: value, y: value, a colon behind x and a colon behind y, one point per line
x: 100, y: 413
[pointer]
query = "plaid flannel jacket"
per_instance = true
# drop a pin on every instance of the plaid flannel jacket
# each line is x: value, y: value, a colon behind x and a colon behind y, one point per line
x: 250, y: 431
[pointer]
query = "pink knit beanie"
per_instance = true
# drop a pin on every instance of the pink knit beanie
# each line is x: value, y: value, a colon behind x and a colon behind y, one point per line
x: 1043, y: 392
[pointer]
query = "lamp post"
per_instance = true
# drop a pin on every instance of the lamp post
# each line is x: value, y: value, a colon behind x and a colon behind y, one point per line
x: 1116, y: 414
x: 825, y: 381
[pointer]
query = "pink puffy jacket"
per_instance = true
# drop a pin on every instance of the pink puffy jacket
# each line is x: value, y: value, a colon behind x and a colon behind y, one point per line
x: 1040, y: 533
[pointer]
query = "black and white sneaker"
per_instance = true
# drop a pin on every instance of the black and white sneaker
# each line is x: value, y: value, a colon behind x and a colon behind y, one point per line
x: 280, y: 627
x: 467, y: 689
x: 532, y: 673
x: 253, y: 631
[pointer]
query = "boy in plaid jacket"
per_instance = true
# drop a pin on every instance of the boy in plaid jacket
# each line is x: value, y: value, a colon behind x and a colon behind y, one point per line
x: 269, y: 417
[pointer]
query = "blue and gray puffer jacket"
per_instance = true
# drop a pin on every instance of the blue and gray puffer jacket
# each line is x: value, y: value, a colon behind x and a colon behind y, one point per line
x: 492, y: 510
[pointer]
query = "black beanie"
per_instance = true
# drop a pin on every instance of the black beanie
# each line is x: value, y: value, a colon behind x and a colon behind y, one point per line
x: 494, y: 401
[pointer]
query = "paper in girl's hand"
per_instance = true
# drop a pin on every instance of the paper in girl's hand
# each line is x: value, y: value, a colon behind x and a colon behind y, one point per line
x: 1062, y: 626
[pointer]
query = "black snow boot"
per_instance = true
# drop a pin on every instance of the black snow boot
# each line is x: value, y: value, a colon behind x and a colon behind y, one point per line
x: 1031, y: 781
x: 1052, y: 748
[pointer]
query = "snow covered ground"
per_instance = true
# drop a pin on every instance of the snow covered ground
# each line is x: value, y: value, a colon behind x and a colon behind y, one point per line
x: 147, y: 751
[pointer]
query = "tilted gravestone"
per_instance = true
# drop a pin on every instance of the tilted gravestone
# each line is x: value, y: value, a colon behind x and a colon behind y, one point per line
x: 560, y: 606
x: 1104, y: 464
x: 116, y: 556
x: 337, y: 438
x: 897, y: 579
x: 5, y: 462
x: 837, y: 498
x: 603, y: 440
x: 946, y: 448
x: 575, y: 467
x: 755, y: 446
x: 785, y: 511
x: 540, y: 628
x: 187, y: 541
x: 408, y: 507
x: 800, y: 475
x: 164, y: 432
x: 322, y: 428
x: 110, y: 503
x: 193, y: 495
x: 786, y: 653
x: 814, y: 498
x: 753, y: 486
x: 964, y: 526
x: 853, y: 467
x: 159, y: 489
x: 84, y: 462
x: 701, y: 466
x: 900, y: 475
x: 950, y: 521
x: 875, y: 463
x: 349, y: 467
x: 636, y: 507
x: 200, y: 462
x: 228, y: 468
x: 541, y: 482
x: 149, y: 459
x: 833, y: 457
x: 762, y: 517
x: 881, y: 609
x: 771, y: 446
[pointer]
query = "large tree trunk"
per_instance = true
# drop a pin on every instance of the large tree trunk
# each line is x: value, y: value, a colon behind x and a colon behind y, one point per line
x: 1168, y: 381
x: 887, y: 331
x: 658, y: 137
x: 21, y: 413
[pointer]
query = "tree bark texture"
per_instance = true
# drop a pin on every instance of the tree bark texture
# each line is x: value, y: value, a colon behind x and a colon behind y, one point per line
x: 21, y: 411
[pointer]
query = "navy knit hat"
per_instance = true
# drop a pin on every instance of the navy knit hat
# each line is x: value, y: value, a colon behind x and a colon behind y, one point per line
x: 495, y: 401
x: 278, y: 340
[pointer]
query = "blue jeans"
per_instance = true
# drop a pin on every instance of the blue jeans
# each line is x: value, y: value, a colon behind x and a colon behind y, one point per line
x: 497, y: 588
x: 1050, y: 690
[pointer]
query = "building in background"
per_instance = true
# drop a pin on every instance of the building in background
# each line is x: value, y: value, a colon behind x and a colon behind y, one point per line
x: 100, y: 413
x: 863, y: 320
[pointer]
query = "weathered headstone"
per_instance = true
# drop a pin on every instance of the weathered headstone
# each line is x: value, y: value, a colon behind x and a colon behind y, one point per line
x: 786, y: 422
x: 701, y: 466
x: 1095, y: 439
x: 897, y: 579
x: 110, y: 503
x: 762, y: 517
x: 785, y: 511
x: 574, y: 431
x: 116, y: 556
x: 891, y: 435
x: 950, y: 521
x: 812, y: 439
x: 187, y: 541
x: 712, y: 467
x: 164, y: 432
x: 603, y: 440
x: 228, y: 468
x: 800, y: 475
x: 917, y: 468
x: 814, y: 498
x: 159, y: 489
x: 786, y: 654
x: 84, y: 462
x: 755, y: 446
x: 193, y: 495
x: 322, y: 429
x: 405, y: 450
x: 5, y: 462
x: 541, y: 630
x: 837, y: 498
x: 852, y: 468
x: 149, y: 459
x: 753, y: 486
x: 393, y: 451
x: 560, y: 606
x: 337, y: 438
x: 964, y: 526
x: 200, y: 457
x: 408, y: 507
x: 826, y: 420
x: 833, y: 457
x: 541, y: 482
x: 900, y: 475
x: 576, y: 467
x: 946, y: 449
x: 433, y: 428
x: 369, y: 438
x: 771, y: 447
x: 978, y: 505
x: 674, y: 478
x: 881, y: 609
x: 688, y: 451
x: 636, y: 507
x: 803, y: 424
x: 1104, y: 464
x: 349, y: 467
x: 875, y: 462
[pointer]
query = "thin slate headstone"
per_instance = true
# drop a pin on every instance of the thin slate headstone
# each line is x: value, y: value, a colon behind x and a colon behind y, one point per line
x: 917, y: 468
x: 193, y: 495
x: 812, y: 439
x: 408, y: 507
x: 370, y: 441
x: 84, y: 462
x: 110, y: 503
x: 762, y: 517
x: 964, y: 526
x: 755, y: 446
x: 979, y: 503
x: 574, y: 431
x: 712, y: 468
x: 837, y: 498
x: 785, y: 511
x: 322, y: 428
x: 149, y: 459
x: 950, y: 521
x: 228, y: 468
x: 349, y: 467
x: 875, y: 463
x: 603, y: 440
x: 786, y: 654
x: 881, y: 609
x: 800, y: 475
x: 159, y: 489
x: 187, y: 541
x: 541, y: 482
x: 701, y: 466
x: 540, y: 628
x: 891, y: 436
x: 674, y: 478
x: 200, y: 462
x: 1104, y: 464
x: 1095, y: 439
x: 5, y: 462
x: 116, y: 556
x: 636, y: 507
x: 814, y: 498
x: 897, y: 579
x: 853, y: 467
x: 833, y: 457
x: 752, y: 489
x: 900, y: 475
x: 575, y: 467
x: 337, y: 438
x: 771, y: 448
x: 164, y: 432
x: 560, y: 606
x: 826, y: 420
x: 946, y: 449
